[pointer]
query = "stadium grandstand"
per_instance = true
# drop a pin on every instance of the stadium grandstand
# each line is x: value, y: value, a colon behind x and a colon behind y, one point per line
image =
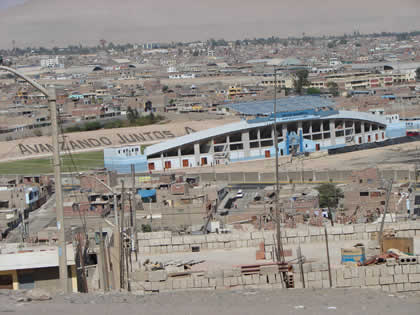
x: 304, y: 125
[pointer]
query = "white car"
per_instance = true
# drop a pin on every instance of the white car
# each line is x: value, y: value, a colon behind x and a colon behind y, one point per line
x: 239, y: 194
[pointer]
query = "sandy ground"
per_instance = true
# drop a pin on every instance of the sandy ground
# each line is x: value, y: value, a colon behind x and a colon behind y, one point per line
x: 227, y: 258
x: 243, y: 302
x: 402, y: 156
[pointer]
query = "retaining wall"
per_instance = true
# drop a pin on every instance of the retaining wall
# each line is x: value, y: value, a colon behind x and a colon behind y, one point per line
x: 391, y: 277
x: 166, y: 242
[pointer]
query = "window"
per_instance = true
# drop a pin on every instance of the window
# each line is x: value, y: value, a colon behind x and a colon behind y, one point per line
x: 173, y: 152
x: 203, y: 161
x: 154, y: 156
x: 185, y: 163
x: 358, y: 127
x: 316, y: 126
x: 364, y: 194
x: 253, y: 134
x: 367, y: 127
x: 327, y: 135
x: 317, y: 136
x: 292, y: 127
x: 187, y: 150
x: 349, y: 123
x: 279, y: 130
x: 267, y: 143
x: 339, y: 133
x: 237, y: 137
x: 218, y: 148
x: 255, y: 144
x: 339, y: 124
x: 265, y: 133
x: 305, y: 126
x: 168, y: 164
x: 220, y: 139
x: 326, y: 125
x: 151, y: 166
x: 204, y: 147
x: 349, y: 132
x: 238, y: 146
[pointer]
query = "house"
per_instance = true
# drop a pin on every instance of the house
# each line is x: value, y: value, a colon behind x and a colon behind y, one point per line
x: 34, y: 267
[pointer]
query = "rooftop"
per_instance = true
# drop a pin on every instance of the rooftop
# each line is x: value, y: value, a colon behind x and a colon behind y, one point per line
x: 290, y: 104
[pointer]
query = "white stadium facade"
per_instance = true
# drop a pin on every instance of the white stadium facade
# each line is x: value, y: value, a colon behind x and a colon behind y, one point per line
x: 304, y: 125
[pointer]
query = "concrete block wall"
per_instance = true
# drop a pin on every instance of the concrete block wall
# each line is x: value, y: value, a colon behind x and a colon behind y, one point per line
x: 166, y: 242
x: 160, y: 281
x: 388, y: 277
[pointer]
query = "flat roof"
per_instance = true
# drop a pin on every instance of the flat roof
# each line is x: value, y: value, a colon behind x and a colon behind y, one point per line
x: 32, y: 258
x: 290, y: 104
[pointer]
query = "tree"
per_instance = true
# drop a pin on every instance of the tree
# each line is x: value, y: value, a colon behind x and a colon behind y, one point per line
x: 418, y: 74
x: 165, y: 88
x: 313, y: 91
x: 329, y: 195
x: 333, y: 88
x: 132, y: 115
x: 332, y: 44
x: 300, y: 81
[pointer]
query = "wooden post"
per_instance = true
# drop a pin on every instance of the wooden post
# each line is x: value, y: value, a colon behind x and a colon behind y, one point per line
x: 328, y: 255
x: 104, y: 279
x: 300, y: 260
x: 100, y: 259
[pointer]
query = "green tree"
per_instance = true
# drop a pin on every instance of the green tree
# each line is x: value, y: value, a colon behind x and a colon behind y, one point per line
x: 332, y: 44
x: 329, y: 196
x: 146, y: 228
x: 132, y: 114
x: 165, y: 88
x: 300, y: 81
x: 333, y: 88
x: 313, y: 91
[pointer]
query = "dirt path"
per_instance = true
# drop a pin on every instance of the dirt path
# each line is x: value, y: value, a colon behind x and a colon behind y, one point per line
x: 243, y: 302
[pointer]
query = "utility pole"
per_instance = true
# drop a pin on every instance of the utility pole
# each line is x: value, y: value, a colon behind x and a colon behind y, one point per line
x: 134, y: 247
x: 122, y: 242
x: 328, y: 255
x: 51, y: 95
x: 62, y: 255
x: 381, y: 230
x: 22, y: 213
x: 280, y: 254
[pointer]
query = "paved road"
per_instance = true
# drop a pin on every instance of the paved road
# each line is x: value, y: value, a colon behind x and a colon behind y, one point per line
x: 38, y: 220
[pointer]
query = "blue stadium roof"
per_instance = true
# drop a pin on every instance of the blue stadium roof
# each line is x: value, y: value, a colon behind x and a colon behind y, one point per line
x: 290, y: 104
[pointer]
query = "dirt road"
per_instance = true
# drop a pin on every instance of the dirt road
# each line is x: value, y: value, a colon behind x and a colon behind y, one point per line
x: 243, y: 302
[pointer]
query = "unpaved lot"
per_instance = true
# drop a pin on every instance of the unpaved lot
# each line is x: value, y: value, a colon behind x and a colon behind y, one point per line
x: 241, y: 302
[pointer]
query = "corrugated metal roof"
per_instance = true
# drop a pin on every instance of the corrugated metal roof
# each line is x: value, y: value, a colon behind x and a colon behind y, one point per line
x: 289, y: 104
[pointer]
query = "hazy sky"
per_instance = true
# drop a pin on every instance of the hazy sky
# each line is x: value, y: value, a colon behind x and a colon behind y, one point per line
x: 63, y: 22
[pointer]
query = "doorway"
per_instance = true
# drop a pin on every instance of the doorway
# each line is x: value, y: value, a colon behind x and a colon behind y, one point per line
x: 6, y: 282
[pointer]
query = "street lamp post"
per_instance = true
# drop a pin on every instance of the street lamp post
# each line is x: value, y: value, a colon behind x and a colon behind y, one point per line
x: 51, y: 96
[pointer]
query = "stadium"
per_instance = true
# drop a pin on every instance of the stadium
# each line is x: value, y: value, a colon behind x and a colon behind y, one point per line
x: 304, y: 125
